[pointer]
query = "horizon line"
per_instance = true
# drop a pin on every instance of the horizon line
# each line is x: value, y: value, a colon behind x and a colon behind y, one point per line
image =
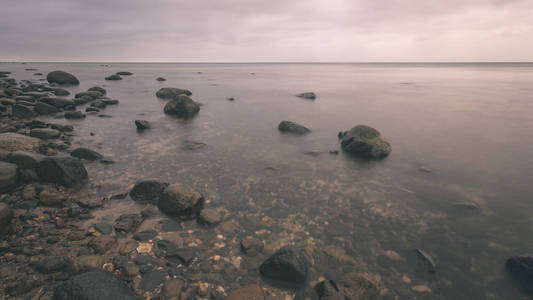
x: 274, y: 62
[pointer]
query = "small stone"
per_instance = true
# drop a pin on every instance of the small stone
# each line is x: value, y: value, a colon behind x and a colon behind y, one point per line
x: 209, y: 217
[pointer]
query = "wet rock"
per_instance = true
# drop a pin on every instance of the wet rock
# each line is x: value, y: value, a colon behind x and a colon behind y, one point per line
x: 151, y: 280
x: 93, y: 285
x: 355, y: 286
x: 45, y: 109
x: 328, y: 290
x: 209, y: 217
x: 247, y: 292
x: 74, y: 115
x: 365, y: 141
x: 61, y: 92
x: 287, y: 265
x: 45, y: 133
x: 160, y: 79
x: 124, y: 73
x: 23, y: 111
x: 98, y: 89
x: 146, y: 235
x: 291, y: 127
x: 148, y: 191
x: 50, y: 264
x: 13, y: 141
x: 6, y: 215
x: 87, y: 154
x: 113, y: 77
x: 521, y: 270
x: 427, y: 260
x: 307, y: 95
x: 142, y: 124
x: 251, y: 245
x: 128, y: 223
x: 67, y: 171
x: 180, y: 200
x: 57, y: 102
x: 90, y: 202
x: 8, y: 176
x: 51, y: 197
x: 102, y: 244
x: 182, y: 106
x: 62, y: 77
x: 171, y: 93
x: 86, y: 263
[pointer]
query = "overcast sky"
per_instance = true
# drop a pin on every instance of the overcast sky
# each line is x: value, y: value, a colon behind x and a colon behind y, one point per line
x: 263, y: 30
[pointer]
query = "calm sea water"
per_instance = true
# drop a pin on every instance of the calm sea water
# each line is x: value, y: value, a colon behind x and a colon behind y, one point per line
x: 460, y: 133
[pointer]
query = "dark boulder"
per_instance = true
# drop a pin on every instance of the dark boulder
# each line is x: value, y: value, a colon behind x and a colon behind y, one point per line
x: 45, y: 109
x: 62, y: 77
x: 6, y: 215
x: 8, y: 176
x: 182, y: 106
x: 87, y: 154
x: 307, y: 95
x: 287, y: 265
x: 365, y: 141
x: 171, y: 93
x: 180, y: 200
x: 291, y: 127
x: 67, y: 171
x: 148, y: 191
x: 142, y: 124
x: 24, y: 111
x: 93, y: 285
x: 98, y: 89
x: 74, y: 115
x: 113, y: 77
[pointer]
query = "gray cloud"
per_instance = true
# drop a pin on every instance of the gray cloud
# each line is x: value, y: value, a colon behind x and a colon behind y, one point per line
x: 252, y: 30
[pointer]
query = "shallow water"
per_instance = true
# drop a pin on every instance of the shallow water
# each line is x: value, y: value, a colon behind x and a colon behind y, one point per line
x: 460, y: 133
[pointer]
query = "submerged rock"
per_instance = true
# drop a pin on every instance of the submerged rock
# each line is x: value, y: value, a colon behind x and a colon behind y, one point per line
x: 356, y: 286
x: 287, y: 265
x: 113, y: 77
x: 61, y: 92
x: 160, y: 79
x: 91, y: 94
x: 248, y: 292
x: 24, y: 111
x: 291, y: 127
x: 51, y: 264
x: 182, y: 106
x: 87, y: 154
x: 365, y: 141
x: 62, y: 77
x: 521, y: 270
x: 427, y: 260
x: 180, y: 200
x: 74, y: 115
x: 93, y: 285
x: 67, y: 171
x: 128, y: 223
x: 142, y: 124
x: 124, y: 73
x: 6, y: 215
x: 50, y: 197
x: 171, y: 93
x: 148, y: 191
x: 8, y: 176
x: 328, y: 290
x: 57, y: 102
x: 307, y: 95
x: 209, y: 217
x: 98, y: 89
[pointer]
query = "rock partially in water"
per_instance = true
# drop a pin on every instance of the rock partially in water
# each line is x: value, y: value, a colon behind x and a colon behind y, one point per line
x: 160, y: 79
x: 171, y: 93
x: 87, y: 154
x: 67, y: 171
x: 110, y: 101
x: 50, y: 264
x: 142, y: 124
x: 124, y: 73
x: 45, y: 109
x: 291, y: 127
x: 182, y: 106
x: 98, y: 89
x: 57, y: 102
x: 91, y: 94
x: 113, y: 77
x: 45, y: 133
x: 23, y: 111
x: 61, y: 92
x: 6, y: 215
x: 148, y: 191
x: 180, y: 200
x: 521, y: 270
x: 93, y: 285
x: 288, y: 265
x: 307, y: 95
x: 365, y: 141
x: 248, y: 292
x: 74, y: 115
x: 209, y: 217
x: 13, y: 141
x: 127, y: 223
x: 8, y: 176
x: 62, y: 77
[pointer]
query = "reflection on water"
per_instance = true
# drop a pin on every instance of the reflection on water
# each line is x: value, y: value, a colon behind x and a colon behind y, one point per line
x: 456, y: 183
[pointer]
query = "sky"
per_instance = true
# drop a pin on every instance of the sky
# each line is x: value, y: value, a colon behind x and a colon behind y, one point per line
x: 266, y: 31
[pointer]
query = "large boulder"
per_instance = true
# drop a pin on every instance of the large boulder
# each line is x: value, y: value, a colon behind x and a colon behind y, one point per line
x: 288, y: 265
x: 6, y: 214
x: 93, y: 285
x: 182, y: 106
x: 8, y: 176
x: 45, y: 133
x: 87, y: 154
x: 171, y: 93
x: 148, y: 191
x: 67, y: 171
x: 365, y: 141
x: 45, y: 108
x: 291, y: 127
x: 62, y: 77
x: 521, y: 270
x: 24, y: 111
x: 13, y: 141
x: 180, y: 200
